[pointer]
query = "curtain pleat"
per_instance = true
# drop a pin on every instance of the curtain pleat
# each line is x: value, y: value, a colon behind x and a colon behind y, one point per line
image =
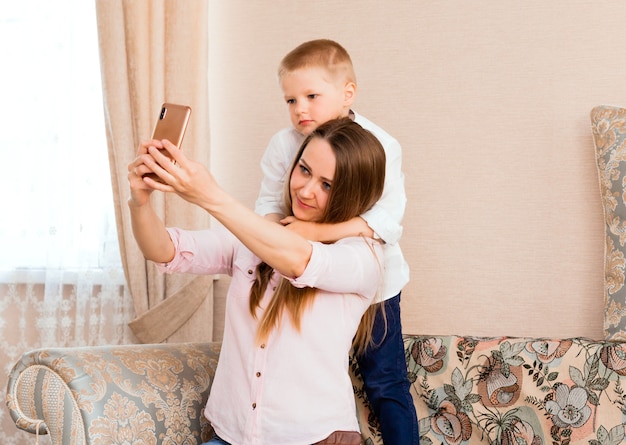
x: 153, y: 52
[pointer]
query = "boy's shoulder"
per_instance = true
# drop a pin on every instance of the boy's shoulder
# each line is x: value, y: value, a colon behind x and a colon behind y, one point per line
x: 383, y: 136
x: 282, y: 147
x: 287, y: 137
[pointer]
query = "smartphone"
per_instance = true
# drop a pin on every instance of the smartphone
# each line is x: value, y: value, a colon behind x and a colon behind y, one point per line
x: 170, y: 125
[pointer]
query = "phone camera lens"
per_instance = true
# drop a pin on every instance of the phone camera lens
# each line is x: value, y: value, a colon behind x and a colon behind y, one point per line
x: 163, y: 111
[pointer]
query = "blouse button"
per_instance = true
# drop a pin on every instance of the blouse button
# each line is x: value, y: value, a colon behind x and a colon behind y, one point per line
x: 250, y: 271
x: 263, y: 346
x: 254, y: 405
x: 258, y: 374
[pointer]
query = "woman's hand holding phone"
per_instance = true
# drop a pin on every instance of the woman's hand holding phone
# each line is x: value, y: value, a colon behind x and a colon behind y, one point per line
x: 189, y: 179
x: 161, y: 165
x: 171, y: 125
x: 141, y: 189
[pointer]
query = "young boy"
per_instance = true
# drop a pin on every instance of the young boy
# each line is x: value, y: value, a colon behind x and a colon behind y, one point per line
x: 319, y: 84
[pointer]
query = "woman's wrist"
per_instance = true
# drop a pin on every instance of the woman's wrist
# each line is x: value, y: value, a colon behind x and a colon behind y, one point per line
x: 134, y: 204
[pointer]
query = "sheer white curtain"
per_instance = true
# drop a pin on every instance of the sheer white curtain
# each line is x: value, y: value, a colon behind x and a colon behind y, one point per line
x: 61, y: 278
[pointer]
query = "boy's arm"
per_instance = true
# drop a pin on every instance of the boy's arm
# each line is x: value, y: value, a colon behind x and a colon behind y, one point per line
x: 328, y: 233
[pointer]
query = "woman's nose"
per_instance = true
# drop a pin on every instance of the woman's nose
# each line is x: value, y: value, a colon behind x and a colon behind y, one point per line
x: 307, y: 189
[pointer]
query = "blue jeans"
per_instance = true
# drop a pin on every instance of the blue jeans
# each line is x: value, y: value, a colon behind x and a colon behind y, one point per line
x: 216, y: 440
x: 386, y: 384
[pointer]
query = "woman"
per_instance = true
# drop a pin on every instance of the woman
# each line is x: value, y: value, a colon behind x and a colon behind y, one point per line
x: 293, y: 306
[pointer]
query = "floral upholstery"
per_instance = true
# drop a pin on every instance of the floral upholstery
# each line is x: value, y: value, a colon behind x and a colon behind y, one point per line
x: 608, y: 126
x: 145, y: 394
x: 466, y: 391
x: 512, y: 391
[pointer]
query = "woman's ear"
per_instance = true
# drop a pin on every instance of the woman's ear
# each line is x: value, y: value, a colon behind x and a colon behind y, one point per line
x: 349, y: 93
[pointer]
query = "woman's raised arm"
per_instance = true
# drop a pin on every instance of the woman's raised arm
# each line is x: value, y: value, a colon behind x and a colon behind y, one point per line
x: 285, y: 251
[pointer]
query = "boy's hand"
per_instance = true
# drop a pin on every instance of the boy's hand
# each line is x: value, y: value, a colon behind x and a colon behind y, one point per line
x: 307, y: 230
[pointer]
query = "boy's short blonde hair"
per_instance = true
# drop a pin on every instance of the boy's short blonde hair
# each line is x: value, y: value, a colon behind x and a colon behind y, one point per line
x: 321, y: 53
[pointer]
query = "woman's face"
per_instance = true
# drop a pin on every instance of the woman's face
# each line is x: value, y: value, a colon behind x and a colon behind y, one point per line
x: 311, y: 181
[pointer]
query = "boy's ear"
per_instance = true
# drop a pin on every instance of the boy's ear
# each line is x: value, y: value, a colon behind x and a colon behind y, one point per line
x: 349, y: 93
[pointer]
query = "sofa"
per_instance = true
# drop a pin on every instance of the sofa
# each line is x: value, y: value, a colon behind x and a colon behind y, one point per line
x: 466, y: 390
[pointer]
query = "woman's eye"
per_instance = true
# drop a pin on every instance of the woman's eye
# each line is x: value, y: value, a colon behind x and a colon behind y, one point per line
x: 291, y: 101
x: 312, y: 96
x: 326, y: 186
x: 304, y: 170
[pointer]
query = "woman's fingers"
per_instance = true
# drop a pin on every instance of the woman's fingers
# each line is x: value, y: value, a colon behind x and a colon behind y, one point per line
x: 160, y: 161
x: 187, y: 178
x: 174, y: 152
x: 156, y: 185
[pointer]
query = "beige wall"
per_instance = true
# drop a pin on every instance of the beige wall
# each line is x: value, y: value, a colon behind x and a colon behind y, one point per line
x: 491, y: 101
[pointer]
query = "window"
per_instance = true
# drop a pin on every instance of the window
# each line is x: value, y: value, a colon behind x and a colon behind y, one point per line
x: 57, y: 211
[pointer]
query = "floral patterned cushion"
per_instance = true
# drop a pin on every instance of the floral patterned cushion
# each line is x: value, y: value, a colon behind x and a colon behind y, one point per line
x: 512, y: 391
x: 608, y: 126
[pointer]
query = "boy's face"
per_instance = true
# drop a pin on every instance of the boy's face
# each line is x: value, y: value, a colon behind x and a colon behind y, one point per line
x: 314, y: 98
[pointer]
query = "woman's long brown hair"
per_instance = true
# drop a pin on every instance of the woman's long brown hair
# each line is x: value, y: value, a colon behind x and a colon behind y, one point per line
x: 357, y: 185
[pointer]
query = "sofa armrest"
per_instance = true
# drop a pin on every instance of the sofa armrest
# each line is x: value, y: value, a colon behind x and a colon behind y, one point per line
x: 114, y: 394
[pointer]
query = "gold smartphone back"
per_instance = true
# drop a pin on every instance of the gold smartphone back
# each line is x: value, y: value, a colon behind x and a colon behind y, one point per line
x: 172, y: 123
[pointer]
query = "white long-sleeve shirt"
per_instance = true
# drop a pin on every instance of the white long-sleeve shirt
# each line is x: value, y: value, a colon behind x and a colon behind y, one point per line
x: 384, y: 218
x: 295, y: 388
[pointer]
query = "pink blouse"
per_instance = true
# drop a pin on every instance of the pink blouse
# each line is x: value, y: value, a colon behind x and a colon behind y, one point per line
x: 295, y: 388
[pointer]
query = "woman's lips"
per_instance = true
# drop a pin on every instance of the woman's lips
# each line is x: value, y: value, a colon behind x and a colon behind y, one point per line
x: 302, y: 204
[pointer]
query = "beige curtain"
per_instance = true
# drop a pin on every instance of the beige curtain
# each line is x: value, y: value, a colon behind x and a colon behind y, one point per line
x: 153, y: 52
